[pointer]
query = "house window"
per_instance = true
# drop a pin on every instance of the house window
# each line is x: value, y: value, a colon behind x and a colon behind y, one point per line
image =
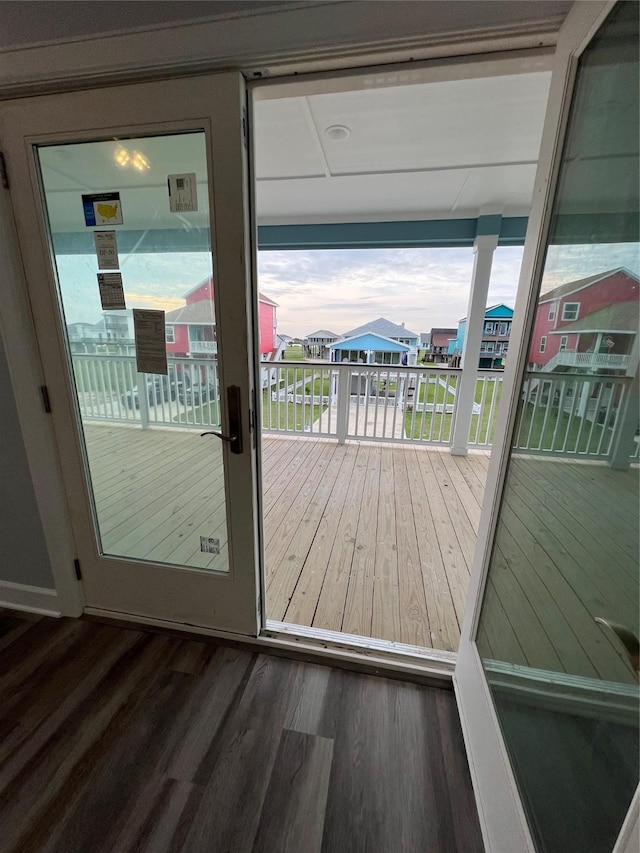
x: 552, y: 311
x: 564, y: 340
x: 504, y: 329
x: 490, y: 347
x: 489, y: 328
x: 570, y: 310
x: 543, y: 343
x: 169, y: 335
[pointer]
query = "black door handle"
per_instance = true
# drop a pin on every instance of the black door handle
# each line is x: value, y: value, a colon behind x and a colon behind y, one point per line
x: 235, y: 421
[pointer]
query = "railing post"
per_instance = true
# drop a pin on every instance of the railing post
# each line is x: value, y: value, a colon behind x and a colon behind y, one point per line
x: 628, y: 422
x: 143, y: 400
x: 342, y: 411
x: 483, y: 248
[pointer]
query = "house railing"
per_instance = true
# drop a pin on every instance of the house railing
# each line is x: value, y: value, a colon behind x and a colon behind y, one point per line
x: 562, y: 414
x: 110, y: 389
x: 570, y: 358
x: 575, y: 415
x: 391, y: 403
x: 203, y: 346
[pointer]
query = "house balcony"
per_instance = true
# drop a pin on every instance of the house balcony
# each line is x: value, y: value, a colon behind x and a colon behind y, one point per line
x: 588, y: 360
x: 370, y: 521
x: 203, y: 347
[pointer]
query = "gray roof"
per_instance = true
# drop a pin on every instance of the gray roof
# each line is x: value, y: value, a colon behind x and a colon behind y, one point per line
x: 572, y: 286
x: 619, y: 317
x: 324, y: 334
x: 382, y: 327
x: 195, y: 312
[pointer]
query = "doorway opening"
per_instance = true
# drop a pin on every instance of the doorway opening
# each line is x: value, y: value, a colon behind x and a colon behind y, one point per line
x: 391, y: 211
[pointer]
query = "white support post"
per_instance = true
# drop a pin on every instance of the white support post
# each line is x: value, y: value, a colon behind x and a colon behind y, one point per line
x: 342, y: 413
x: 143, y: 400
x: 628, y: 422
x: 483, y: 248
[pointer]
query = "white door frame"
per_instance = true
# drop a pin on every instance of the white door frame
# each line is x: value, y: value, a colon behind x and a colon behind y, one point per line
x: 502, y: 819
x: 227, y: 602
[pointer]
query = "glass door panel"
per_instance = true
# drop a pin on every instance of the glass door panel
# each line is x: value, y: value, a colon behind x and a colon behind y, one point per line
x: 157, y: 493
x: 559, y: 623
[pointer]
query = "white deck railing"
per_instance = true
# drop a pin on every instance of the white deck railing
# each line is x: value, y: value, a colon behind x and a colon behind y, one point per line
x: 108, y: 389
x: 411, y: 405
x: 570, y: 358
x: 573, y: 415
x: 563, y: 414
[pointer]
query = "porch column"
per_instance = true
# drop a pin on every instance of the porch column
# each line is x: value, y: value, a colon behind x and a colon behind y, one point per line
x: 484, y: 246
x: 627, y: 423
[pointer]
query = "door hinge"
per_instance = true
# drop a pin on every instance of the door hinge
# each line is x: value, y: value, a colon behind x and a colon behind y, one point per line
x: 76, y: 566
x: 4, y: 177
x: 245, y: 132
x: 46, y: 402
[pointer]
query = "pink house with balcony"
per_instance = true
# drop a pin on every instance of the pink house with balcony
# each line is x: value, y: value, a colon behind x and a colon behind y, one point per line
x: 191, y: 330
x: 590, y: 324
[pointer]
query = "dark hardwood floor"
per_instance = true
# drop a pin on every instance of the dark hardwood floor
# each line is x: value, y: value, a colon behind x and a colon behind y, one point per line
x: 120, y: 740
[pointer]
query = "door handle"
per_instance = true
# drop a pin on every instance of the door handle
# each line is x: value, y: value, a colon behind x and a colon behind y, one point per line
x: 235, y: 421
x: 626, y: 639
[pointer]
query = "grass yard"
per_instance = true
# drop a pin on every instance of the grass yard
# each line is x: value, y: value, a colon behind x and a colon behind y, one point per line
x: 559, y: 432
x: 291, y: 416
x: 207, y: 415
x: 293, y: 353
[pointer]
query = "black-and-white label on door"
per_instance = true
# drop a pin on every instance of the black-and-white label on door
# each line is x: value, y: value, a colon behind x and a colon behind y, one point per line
x: 183, y: 192
x: 111, y: 291
x: 209, y: 545
x: 106, y: 244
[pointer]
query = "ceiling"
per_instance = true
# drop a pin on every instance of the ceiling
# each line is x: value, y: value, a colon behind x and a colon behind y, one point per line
x: 452, y: 148
x: 32, y: 22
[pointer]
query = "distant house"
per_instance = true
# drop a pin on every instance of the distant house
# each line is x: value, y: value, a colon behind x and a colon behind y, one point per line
x: 369, y: 348
x: 392, y: 331
x: 436, y: 344
x: 316, y: 345
x: 191, y: 330
x: 113, y: 327
x: 495, y: 338
x: 587, y: 325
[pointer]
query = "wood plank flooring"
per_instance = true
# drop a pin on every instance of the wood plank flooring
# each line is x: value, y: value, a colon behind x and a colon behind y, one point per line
x: 374, y: 540
x: 566, y: 551
x: 114, y: 740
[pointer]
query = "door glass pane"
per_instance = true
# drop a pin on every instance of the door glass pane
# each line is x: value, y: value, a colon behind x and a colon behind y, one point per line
x: 157, y: 489
x: 560, y: 612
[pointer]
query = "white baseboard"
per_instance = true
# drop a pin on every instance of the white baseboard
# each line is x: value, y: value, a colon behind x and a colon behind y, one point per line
x: 34, y: 599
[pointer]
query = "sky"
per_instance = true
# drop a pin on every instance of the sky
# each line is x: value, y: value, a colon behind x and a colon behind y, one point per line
x: 341, y: 289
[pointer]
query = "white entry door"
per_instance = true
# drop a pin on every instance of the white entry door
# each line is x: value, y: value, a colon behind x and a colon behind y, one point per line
x: 547, y: 672
x: 130, y: 210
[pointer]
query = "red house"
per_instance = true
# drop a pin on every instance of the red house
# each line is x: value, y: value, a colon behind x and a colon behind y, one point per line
x: 590, y: 324
x: 191, y: 330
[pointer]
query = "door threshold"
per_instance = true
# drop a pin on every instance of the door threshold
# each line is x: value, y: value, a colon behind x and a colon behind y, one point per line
x: 433, y: 659
x: 345, y: 651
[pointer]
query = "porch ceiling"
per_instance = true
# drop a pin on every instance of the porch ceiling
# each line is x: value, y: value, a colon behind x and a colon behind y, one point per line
x: 436, y: 150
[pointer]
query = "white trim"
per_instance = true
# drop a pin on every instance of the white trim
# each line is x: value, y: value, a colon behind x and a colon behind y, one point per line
x: 304, y: 36
x: 543, y: 344
x: 628, y: 840
x: 33, y: 599
x: 564, y: 311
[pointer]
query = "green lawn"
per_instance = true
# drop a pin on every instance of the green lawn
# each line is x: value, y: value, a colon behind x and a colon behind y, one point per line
x: 293, y: 353
x: 581, y: 435
x: 421, y: 426
x: 284, y: 415
x: 207, y: 414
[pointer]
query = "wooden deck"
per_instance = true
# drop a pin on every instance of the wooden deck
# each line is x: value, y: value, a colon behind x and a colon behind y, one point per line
x: 375, y: 540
